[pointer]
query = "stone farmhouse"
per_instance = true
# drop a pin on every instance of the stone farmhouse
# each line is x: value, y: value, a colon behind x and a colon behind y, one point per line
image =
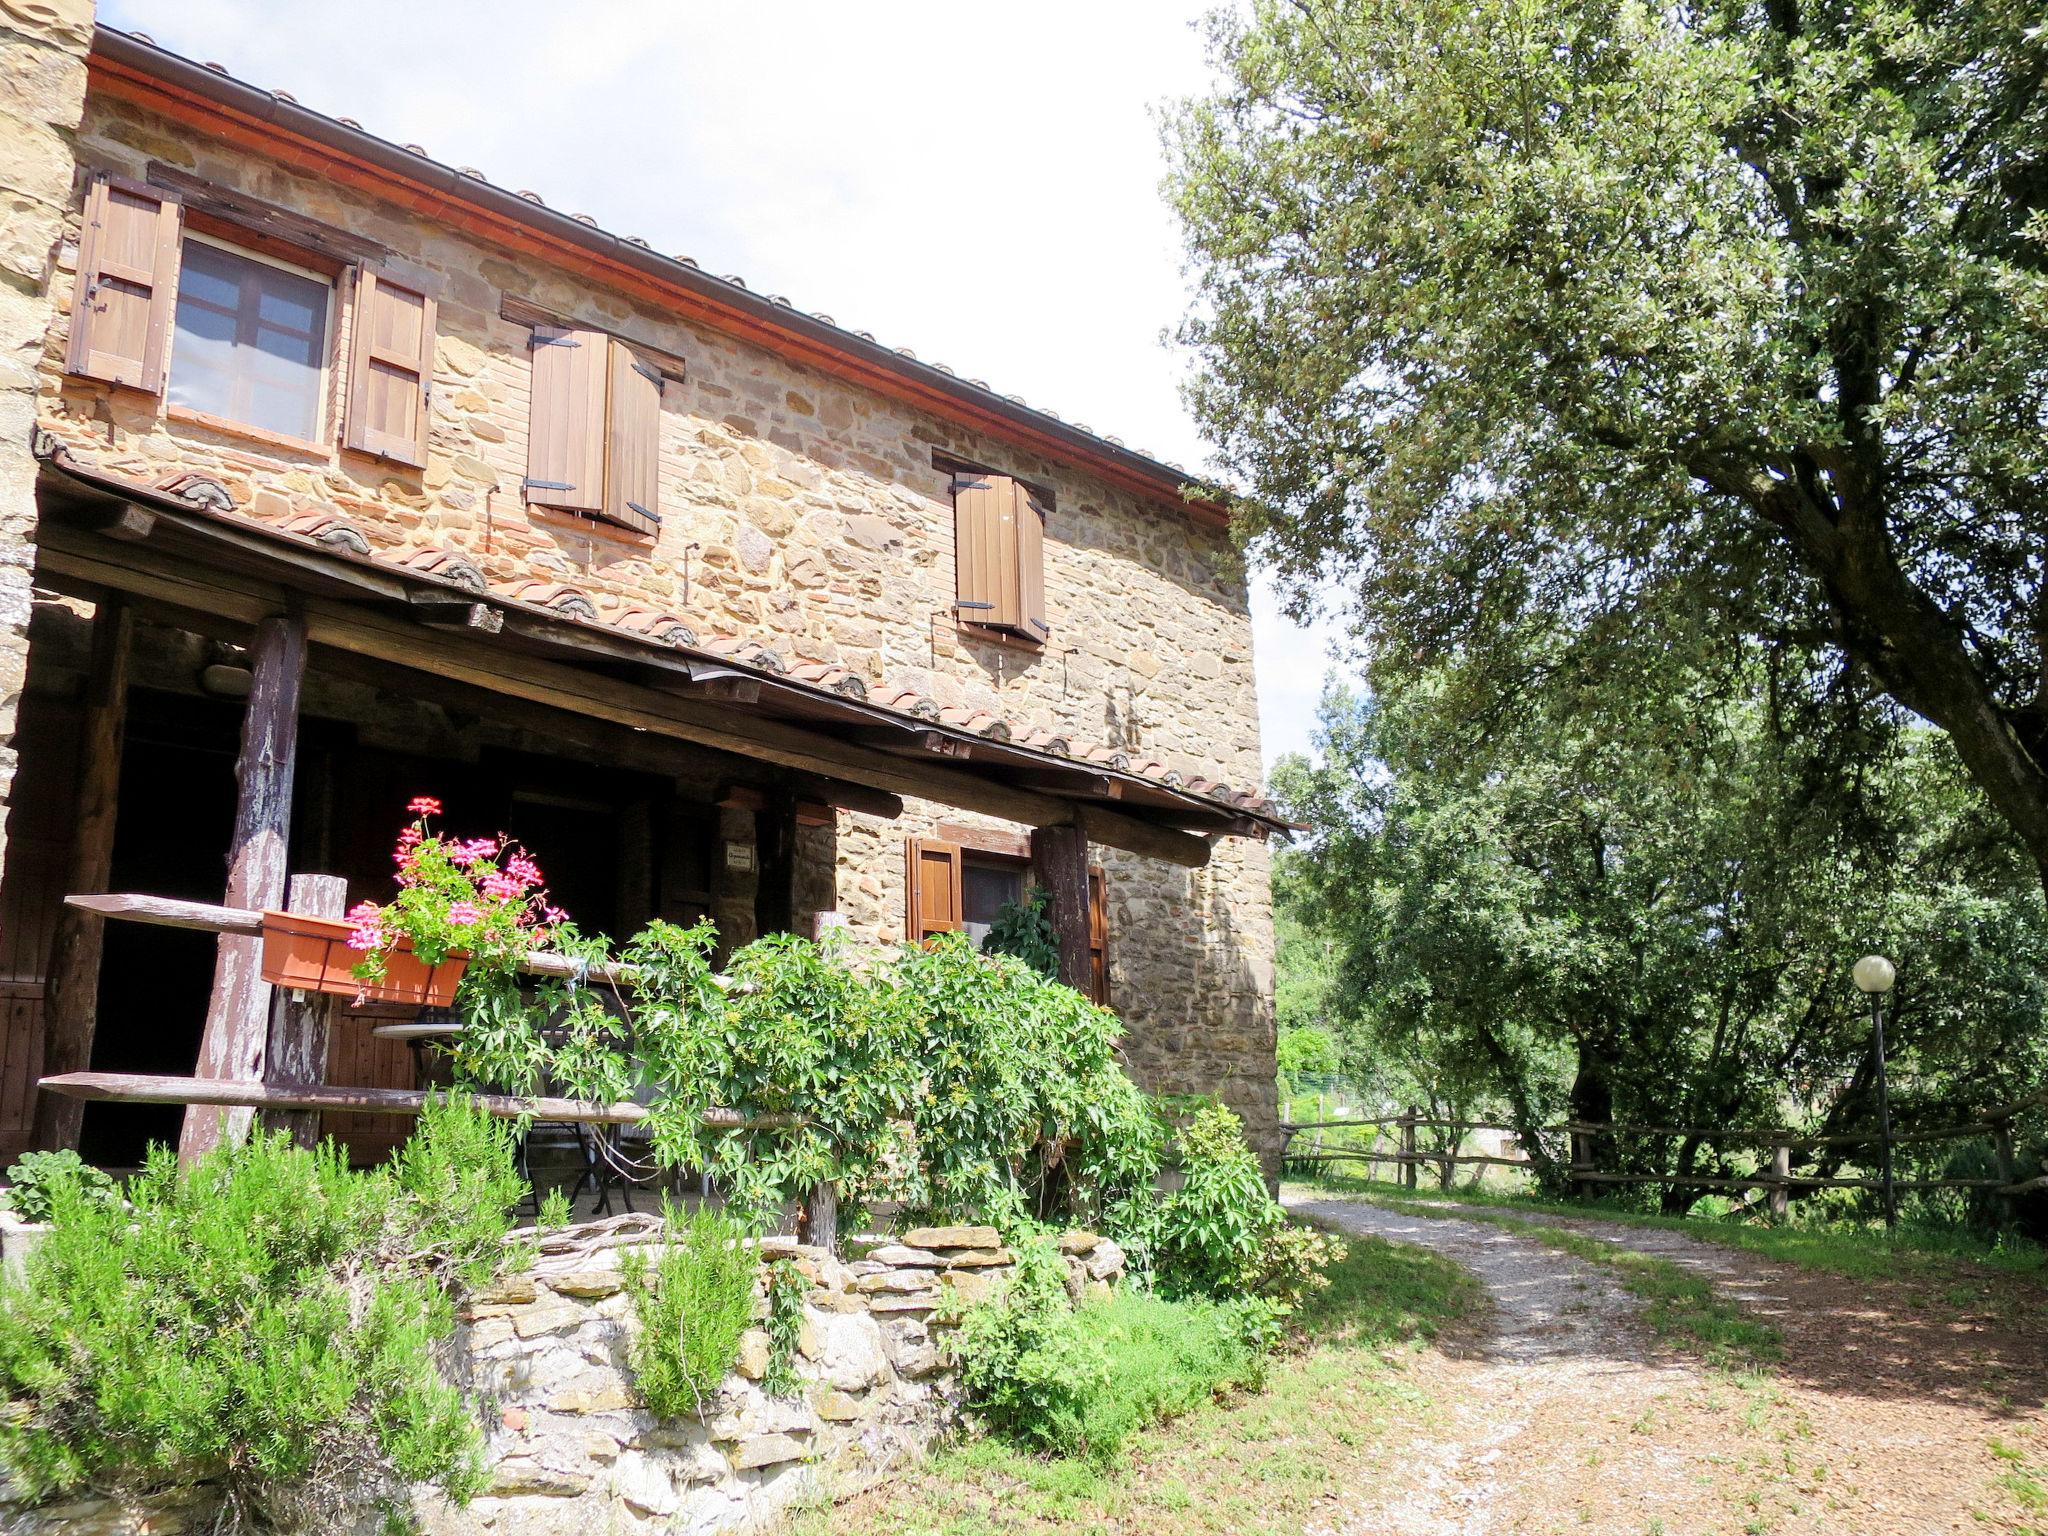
x: 331, y: 475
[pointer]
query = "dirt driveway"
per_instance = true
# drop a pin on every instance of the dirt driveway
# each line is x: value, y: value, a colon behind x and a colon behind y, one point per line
x: 1564, y: 1413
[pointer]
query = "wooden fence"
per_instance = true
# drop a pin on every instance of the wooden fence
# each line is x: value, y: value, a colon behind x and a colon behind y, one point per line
x: 1777, y: 1186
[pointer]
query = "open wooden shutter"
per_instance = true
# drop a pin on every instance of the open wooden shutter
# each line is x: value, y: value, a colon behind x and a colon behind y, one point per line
x: 1098, y: 937
x: 1031, y: 566
x: 984, y: 548
x: 127, y: 272
x: 633, y: 451
x: 391, y: 370
x: 566, y: 423
x: 933, y: 888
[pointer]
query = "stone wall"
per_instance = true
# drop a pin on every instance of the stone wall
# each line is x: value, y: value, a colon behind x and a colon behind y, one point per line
x: 43, y: 45
x: 572, y: 1453
x: 803, y: 512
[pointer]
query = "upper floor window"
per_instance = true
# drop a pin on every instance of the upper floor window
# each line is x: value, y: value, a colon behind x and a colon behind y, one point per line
x: 594, y: 436
x: 249, y: 339
x: 999, y: 553
x: 246, y: 336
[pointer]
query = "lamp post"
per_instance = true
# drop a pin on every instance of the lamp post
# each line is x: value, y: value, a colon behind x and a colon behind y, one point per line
x: 1874, y: 976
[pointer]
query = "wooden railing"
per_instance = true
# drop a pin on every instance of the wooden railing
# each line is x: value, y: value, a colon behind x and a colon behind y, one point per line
x: 1407, y: 1157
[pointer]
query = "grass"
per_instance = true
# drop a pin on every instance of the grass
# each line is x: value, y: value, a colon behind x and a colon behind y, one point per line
x: 1681, y: 1307
x: 2024, y: 1482
x: 1854, y: 1251
x: 1256, y: 1462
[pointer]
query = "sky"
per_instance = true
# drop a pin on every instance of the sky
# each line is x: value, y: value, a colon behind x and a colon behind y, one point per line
x: 977, y: 182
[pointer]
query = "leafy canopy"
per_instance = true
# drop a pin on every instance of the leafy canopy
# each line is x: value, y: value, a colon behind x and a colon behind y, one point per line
x: 1641, y: 327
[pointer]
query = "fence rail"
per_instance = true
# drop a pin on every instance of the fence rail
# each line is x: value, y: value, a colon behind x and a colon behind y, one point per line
x: 1407, y: 1156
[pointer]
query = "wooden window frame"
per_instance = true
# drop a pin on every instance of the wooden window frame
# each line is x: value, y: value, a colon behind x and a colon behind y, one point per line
x: 318, y: 440
x: 961, y: 844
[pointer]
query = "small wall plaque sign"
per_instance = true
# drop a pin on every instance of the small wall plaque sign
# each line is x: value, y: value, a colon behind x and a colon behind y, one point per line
x: 739, y: 855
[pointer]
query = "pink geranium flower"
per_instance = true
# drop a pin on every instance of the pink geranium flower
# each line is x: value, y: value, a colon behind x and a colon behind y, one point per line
x: 502, y: 886
x: 464, y: 914
x: 423, y: 805
x: 523, y: 869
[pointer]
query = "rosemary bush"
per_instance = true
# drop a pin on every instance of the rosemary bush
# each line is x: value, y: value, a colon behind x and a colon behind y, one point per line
x: 693, y: 1303
x: 263, y: 1320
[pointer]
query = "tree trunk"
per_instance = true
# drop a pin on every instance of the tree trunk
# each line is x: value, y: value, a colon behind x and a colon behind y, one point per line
x: 1059, y: 859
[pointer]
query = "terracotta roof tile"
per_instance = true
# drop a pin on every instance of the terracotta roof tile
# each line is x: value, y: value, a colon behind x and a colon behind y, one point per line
x: 657, y: 625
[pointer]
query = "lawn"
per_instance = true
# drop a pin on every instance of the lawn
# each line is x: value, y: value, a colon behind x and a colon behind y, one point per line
x: 1254, y: 1462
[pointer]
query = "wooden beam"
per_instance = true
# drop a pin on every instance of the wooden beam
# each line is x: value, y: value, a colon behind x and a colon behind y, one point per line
x: 300, y: 1022
x: 72, y: 999
x: 237, y: 1029
x: 151, y: 1088
x: 360, y: 630
x: 1059, y: 861
x: 775, y: 861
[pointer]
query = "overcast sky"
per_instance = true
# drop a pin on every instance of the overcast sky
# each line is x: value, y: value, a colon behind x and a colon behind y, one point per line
x: 976, y: 182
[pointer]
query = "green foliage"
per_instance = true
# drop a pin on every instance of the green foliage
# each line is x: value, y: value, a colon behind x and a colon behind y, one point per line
x: 787, y: 1289
x: 996, y: 1071
x: 265, y: 1318
x: 1024, y: 929
x: 1574, y: 337
x: 692, y: 1304
x: 483, y: 896
x: 1082, y: 1381
x: 36, y: 1178
x: 555, y: 1212
x: 1306, y: 1050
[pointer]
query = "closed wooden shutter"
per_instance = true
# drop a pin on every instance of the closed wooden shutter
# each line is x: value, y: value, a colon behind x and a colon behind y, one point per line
x: 1098, y: 937
x: 1031, y: 565
x: 932, y: 896
x: 391, y: 370
x: 566, y: 422
x: 127, y: 272
x: 633, y: 443
x: 984, y: 547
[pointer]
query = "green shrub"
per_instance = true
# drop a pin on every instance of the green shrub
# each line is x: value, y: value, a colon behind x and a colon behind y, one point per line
x: 1024, y: 929
x: 1081, y: 1382
x: 264, y: 1319
x: 36, y: 1177
x: 787, y: 1289
x: 693, y: 1304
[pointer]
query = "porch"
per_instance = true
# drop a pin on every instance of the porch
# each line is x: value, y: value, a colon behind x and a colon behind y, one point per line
x: 241, y: 704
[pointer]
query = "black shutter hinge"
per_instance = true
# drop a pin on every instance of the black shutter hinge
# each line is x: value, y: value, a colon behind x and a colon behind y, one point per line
x: 652, y: 517
x: 547, y: 485
x: 535, y: 339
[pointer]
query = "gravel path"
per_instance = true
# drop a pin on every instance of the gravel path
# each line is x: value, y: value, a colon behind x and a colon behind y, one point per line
x: 1563, y: 1413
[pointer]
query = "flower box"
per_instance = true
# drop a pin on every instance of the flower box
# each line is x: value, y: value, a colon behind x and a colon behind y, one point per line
x: 312, y: 954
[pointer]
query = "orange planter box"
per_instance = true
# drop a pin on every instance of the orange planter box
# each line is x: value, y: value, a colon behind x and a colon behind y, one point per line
x: 311, y: 954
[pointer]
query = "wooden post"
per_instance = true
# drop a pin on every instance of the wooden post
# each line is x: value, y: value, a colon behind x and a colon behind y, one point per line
x: 71, y: 992
x: 1582, y: 1162
x: 775, y: 860
x: 1059, y: 858
x: 299, y: 1021
x: 237, y: 1028
x: 821, y: 1217
x: 2008, y: 1166
x: 1408, y: 1154
x: 1780, y: 1201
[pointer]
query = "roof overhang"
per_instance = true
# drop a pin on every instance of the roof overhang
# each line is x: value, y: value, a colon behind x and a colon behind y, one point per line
x: 102, y: 533
x: 132, y: 68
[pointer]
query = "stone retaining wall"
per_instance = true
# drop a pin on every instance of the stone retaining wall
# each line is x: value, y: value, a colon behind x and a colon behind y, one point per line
x: 571, y: 1451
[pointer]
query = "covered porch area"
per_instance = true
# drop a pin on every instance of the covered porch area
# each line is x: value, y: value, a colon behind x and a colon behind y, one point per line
x: 217, y: 708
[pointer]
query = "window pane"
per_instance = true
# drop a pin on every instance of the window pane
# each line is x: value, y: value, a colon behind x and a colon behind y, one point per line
x: 248, y: 342
x: 985, y: 888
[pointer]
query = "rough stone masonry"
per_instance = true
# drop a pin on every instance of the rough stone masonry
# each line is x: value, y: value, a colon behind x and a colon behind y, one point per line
x: 572, y: 1452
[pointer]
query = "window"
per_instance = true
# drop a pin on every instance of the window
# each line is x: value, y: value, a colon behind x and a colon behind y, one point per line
x: 999, y: 554
x: 988, y: 883
x: 952, y: 889
x: 594, y: 438
x: 249, y: 339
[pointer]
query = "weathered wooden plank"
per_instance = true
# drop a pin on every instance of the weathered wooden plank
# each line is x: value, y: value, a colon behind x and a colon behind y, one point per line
x: 168, y: 912
x: 72, y: 1001
x: 300, y: 1021
x: 328, y: 1098
x: 237, y: 1029
x: 1059, y: 862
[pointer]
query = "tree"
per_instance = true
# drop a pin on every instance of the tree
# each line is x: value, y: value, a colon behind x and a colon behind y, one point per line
x: 1682, y: 322
x: 1649, y: 916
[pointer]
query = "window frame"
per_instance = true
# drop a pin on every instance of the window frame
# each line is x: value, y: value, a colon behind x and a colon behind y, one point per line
x: 324, y: 413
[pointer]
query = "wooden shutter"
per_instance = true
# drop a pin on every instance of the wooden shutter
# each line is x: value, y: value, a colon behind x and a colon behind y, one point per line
x: 984, y: 548
x: 566, y: 422
x: 633, y: 443
x: 1031, y: 566
x: 391, y: 370
x: 933, y: 888
x: 127, y: 273
x: 1098, y: 937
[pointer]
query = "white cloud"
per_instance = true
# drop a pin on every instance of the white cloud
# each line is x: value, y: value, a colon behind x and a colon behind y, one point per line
x: 976, y: 182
